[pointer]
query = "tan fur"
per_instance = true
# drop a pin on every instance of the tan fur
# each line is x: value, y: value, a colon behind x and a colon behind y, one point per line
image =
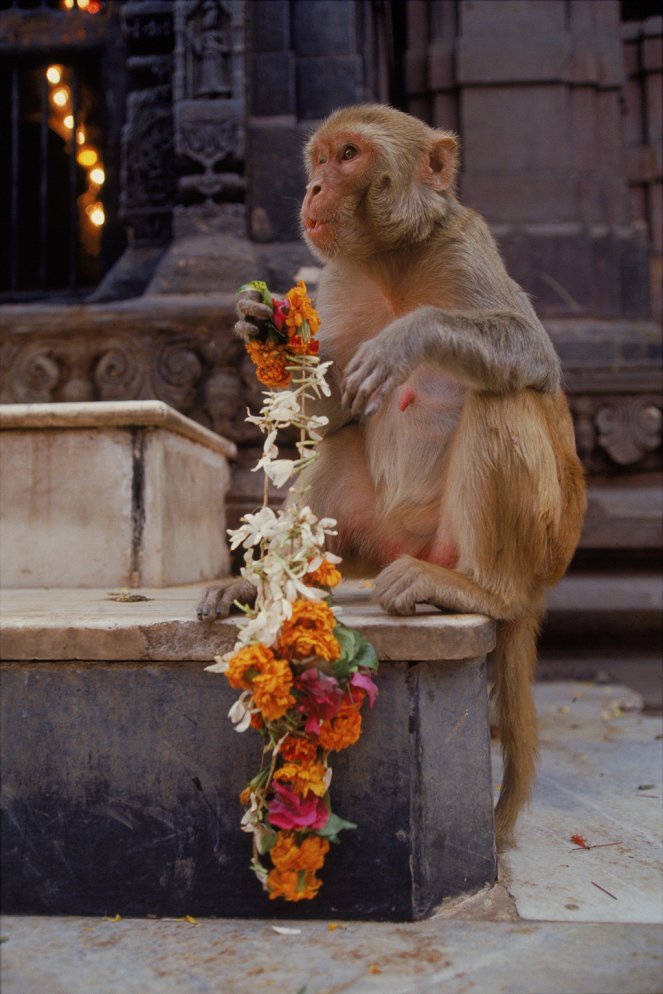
x: 415, y: 297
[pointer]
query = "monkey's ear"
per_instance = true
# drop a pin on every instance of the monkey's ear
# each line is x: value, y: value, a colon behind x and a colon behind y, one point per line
x: 443, y: 159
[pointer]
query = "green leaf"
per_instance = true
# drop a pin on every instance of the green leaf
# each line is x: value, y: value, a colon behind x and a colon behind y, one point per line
x: 366, y: 656
x: 267, y: 840
x: 261, y: 287
x: 356, y: 651
x: 333, y: 827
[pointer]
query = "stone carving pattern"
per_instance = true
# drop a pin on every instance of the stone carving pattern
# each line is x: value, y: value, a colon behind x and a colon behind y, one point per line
x: 148, y: 180
x: 35, y: 373
x: 629, y: 428
x: 177, y: 375
x: 118, y: 373
x: 618, y: 429
x: 208, y: 97
x: 206, y: 376
x: 208, y: 28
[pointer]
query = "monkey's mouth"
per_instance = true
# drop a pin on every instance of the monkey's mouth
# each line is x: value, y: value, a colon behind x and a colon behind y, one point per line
x: 316, y: 223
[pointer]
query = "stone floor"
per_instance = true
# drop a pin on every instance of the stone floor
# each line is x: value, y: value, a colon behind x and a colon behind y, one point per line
x: 562, y: 919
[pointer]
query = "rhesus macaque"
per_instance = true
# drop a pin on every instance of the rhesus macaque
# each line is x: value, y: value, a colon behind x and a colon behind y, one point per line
x: 449, y: 461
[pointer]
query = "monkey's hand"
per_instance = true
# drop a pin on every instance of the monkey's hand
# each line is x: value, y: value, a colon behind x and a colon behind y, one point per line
x: 378, y: 367
x: 251, y: 312
x: 217, y: 602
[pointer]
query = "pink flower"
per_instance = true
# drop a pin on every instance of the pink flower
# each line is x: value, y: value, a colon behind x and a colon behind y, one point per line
x: 363, y: 680
x: 288, y: 810
x: 281, y: 309
x: 322, y: 697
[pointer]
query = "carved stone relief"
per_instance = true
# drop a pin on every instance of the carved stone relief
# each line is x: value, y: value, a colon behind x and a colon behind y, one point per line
x: 208, y: 98
x: 629, y: 428
x: 148, y: 179
x: 618, y: 431
x: 204, y: 375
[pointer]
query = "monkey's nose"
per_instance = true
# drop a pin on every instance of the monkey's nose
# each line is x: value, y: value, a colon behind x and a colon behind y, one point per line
x: 314, y: 189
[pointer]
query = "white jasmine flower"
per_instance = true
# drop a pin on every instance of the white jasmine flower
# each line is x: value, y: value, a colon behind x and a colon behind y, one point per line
x: 279, y: 471
x: 240, y: 713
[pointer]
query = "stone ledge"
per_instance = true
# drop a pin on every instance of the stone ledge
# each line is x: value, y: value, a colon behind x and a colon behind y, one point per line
x: 113, y: 414
x: 84, y: 624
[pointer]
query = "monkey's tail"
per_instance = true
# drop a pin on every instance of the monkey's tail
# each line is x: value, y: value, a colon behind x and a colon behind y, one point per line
x: 515, y: 662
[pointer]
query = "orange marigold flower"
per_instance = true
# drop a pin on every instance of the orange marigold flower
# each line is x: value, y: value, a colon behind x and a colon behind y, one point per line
x: 293, y: 885
x: 326, y: 575
x: 301, y: 309
x: 299, y: 643
x: 304, y: 779
x: 270, y: 362
x: 271, y: 689
x: 249, y: 657
x: 309, y: 632
x: 285, y: 854
x: 298, y: 346
x: 245, y: 797
x: 297, y: 749
x: 341, y: 731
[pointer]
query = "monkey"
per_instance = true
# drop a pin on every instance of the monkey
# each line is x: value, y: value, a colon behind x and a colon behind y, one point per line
x: 449, y: 459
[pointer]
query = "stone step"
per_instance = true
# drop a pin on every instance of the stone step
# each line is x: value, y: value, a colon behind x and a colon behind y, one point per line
x: 122, y: 773
x: 113, y: 492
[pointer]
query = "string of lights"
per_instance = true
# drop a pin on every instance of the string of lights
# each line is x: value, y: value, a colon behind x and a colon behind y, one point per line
x: 87, y: 156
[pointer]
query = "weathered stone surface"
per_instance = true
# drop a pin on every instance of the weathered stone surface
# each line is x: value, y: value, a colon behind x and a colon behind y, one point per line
x: 116, y: 493
x: 75, y: 956
x: 327, y: 82
x: 141, y: 803
x: 87, y: 624
x: 139, y: 812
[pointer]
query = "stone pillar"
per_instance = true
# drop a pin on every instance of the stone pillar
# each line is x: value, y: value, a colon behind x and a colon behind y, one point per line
x: 308, y: 57
x: 536, y: 91
x: 643, y: 58
x: 210, y: 250
x: 147, y: 174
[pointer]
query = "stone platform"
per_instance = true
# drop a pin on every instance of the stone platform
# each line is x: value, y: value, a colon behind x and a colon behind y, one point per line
x: 122, y: 773
x: 117, y: 492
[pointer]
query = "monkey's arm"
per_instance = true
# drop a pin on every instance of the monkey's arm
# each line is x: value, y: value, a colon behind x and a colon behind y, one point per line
x: 500, y: 351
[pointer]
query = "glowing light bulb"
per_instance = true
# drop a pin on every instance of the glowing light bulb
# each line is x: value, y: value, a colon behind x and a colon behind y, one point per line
x: 68, y: 121
x: 97, y: 175
x: 96, y: 214
x: 54, y: 74
x: 83, y: 4
x: 87, y: 157
x: 80, y: 136
x: 61, y: 96
x: 68, y: 4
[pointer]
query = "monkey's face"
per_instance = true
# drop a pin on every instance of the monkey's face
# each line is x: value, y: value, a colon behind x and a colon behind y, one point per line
x: 378, y: 180
x: 340, y: 166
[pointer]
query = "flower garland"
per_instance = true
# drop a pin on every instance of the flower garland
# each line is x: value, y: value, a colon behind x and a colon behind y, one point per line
x: 303, y: 676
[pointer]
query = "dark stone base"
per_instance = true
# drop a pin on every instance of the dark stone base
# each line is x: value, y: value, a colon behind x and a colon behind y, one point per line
x: 121, y: 783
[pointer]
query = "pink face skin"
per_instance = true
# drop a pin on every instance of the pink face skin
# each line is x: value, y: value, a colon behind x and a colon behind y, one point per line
x: 337, y: 167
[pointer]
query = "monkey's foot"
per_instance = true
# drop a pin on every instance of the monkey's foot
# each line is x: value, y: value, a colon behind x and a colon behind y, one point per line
x: 218, y: 601
x: 404, y: 584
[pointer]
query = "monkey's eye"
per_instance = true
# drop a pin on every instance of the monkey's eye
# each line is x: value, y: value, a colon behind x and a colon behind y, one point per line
x: 349, y: 152
x: 322, y: 159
